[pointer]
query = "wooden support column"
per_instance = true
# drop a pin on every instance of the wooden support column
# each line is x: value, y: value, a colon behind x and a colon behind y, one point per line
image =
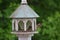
x: 35, y: 24
x: 32, y: 25
x: 25, y: 37
x: 25, y: 26
x: 16, y: 25
x: 12, y: 25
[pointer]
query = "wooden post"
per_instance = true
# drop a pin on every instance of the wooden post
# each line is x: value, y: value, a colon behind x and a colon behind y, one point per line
x: 16, y: 25
x: 35, y: 24
x: 25, y: 26
x: 32, y: 25
x: 12, y: 25
x: 24, y: 37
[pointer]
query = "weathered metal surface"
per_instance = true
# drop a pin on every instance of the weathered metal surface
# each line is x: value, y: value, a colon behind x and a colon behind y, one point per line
x: 24, y: 11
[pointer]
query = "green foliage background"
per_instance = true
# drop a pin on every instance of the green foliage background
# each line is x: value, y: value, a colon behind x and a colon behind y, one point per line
x: 48, y: 10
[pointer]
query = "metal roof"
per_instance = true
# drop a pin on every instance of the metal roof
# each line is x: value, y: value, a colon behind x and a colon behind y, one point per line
x: 24, y: 11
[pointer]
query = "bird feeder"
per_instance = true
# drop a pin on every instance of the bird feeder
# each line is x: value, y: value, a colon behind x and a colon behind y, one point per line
x: 24, y: 21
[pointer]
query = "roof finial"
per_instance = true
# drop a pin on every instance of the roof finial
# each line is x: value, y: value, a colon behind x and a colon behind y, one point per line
x: 23, y: 1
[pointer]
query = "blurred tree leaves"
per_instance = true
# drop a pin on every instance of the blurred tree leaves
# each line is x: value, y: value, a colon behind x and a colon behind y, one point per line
x: 50, y: 29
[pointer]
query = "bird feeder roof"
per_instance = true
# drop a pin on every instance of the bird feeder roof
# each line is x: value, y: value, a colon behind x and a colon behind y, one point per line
x: 24, y: 11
